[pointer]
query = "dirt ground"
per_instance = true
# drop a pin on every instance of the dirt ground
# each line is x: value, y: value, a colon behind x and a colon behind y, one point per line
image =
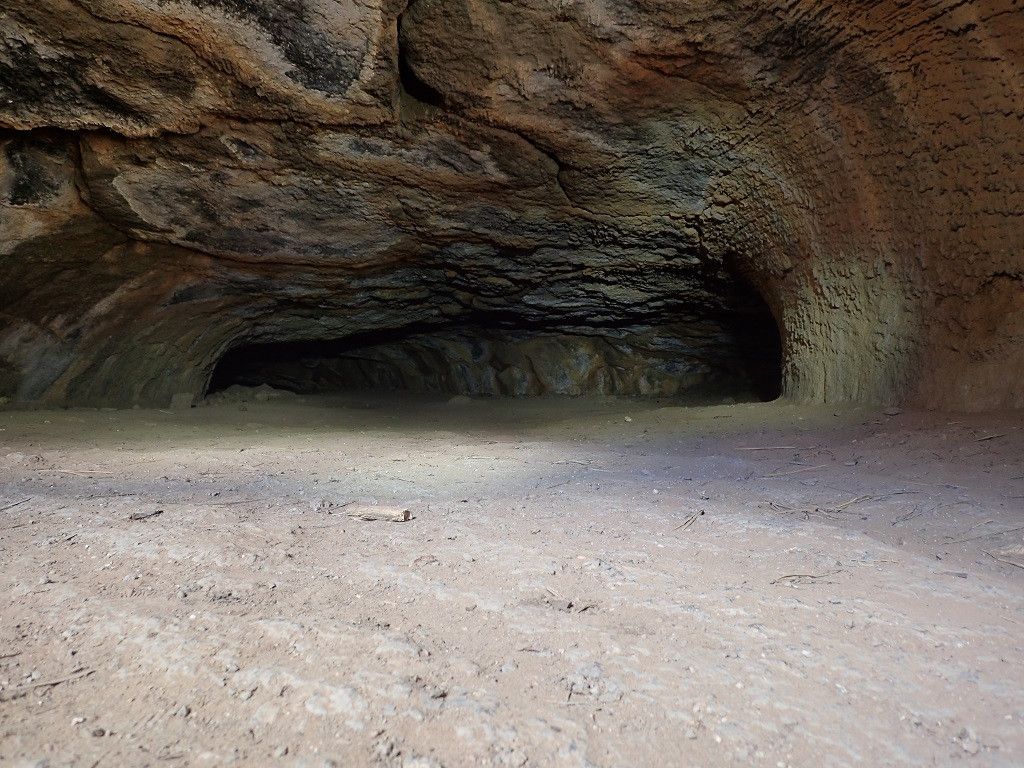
x: 583, y: 583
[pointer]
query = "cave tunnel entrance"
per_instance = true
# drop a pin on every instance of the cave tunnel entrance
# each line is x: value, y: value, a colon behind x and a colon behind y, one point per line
x: 735, y: 356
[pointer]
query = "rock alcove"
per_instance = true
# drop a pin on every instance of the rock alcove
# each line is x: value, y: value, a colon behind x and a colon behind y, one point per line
x: 735, y: 355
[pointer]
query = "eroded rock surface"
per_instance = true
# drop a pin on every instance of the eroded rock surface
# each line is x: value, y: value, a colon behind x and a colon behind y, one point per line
x: 182, y: 178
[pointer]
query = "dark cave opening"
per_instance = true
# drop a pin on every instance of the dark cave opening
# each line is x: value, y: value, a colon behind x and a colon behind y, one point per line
x: 410, y: 82
x: 734, y: 357
x: 758, y: 339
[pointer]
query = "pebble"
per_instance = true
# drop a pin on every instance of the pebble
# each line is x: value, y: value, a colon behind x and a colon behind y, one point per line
x: 969, y: 741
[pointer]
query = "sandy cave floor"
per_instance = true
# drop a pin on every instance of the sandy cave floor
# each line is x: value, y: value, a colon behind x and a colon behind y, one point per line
x: 853, y: 593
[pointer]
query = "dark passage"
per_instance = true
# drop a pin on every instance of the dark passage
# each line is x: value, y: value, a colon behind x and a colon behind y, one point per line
x: 733, y: 358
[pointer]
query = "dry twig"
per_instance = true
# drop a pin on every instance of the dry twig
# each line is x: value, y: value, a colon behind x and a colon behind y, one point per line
x: 987, y: 535
x: 800, y: 576
x: 689, y: 521
x: 76, y: 676
x: 145, y: 515
x: 1004, y: 560
x: 796, y: 471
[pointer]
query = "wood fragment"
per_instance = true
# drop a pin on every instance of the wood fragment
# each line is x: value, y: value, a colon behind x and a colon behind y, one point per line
x: 971, y: 528
x: 812, y: 576
x: 851, y: 502
x: 586, y: 464
x: 80, y: 473
x: 145, y: 515
x: 986, y: 535
x: 385, y: 514
x: 829, y: 513
x: 906, y: 518
x: 689, y: 521
x: 990, y: 437
x: 796, y: 471
x: 1004, y: 560
x: 15, y: 504
x: 771, y: 448
x: 76, y: 676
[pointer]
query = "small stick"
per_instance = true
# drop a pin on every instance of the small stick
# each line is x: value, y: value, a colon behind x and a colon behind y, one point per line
x: 796, y: 471
x: 771, y: 448
x: 804, y: 576
x: 67, y: 679
x: 1002, y: 560
x: 15, y: 504
x: 80, y: 473
x: 986, y: 535
x: 907, y: 517
x: 689, y: 521
x: 984, y: 522
x: 851, y: 502
x: 145, y: 515
x: 990, y: 437
x: 586, y: 464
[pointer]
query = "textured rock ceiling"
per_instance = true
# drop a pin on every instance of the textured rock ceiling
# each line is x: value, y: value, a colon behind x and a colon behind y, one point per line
x: 179, y: 178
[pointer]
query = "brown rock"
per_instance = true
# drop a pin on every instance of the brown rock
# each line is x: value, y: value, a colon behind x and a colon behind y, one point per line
x: 568, y: 197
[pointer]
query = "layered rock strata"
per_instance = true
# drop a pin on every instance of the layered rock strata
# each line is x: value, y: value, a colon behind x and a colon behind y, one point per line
x: 184, y: 178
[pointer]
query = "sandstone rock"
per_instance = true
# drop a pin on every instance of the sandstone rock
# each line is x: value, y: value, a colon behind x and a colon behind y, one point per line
x: 584, y: 190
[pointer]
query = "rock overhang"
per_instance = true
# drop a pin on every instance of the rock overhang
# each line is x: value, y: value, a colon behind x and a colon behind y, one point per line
x: 321, y: 169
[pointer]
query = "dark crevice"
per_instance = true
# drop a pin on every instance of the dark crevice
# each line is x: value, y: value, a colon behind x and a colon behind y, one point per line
x: 409, y: 83
x: 757, y: 331
x: 759, y: 342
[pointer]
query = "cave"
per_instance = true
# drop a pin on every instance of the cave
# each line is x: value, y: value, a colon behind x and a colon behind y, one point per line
x: 440, y: 383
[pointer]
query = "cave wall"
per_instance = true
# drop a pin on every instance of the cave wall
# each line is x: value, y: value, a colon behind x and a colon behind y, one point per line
x: 182, y: 177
